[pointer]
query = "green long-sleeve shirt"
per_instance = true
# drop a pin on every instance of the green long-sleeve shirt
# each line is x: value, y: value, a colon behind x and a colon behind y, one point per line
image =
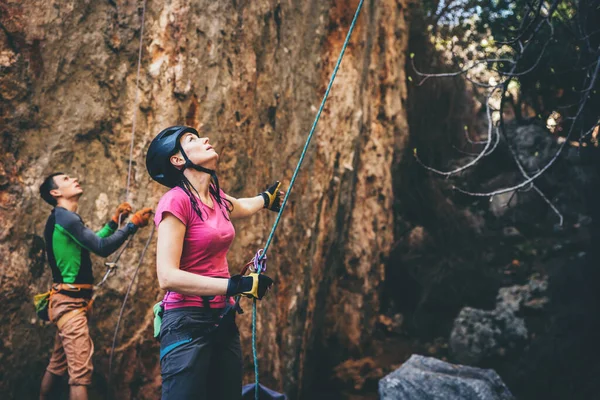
x: 69, y: 243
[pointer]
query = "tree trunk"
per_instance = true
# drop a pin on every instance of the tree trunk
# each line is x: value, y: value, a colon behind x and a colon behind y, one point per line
x: 251, y: 74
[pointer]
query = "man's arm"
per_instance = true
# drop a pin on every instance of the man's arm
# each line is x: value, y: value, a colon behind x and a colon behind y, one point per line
x: 107, y: 229
x: 71, y: 224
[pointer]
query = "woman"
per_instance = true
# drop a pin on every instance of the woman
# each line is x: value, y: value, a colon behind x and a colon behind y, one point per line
x: 199, y: 341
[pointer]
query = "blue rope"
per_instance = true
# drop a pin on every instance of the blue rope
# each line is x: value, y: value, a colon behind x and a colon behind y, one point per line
x: 314, y: 125
x: 254, y: 350
x: 287, y: 195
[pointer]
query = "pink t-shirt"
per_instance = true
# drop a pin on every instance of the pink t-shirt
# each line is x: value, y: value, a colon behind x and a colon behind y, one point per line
x: 205, y: 244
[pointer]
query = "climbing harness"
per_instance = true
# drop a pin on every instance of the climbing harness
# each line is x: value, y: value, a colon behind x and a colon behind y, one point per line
x: 223, y: 317
x: 42, y: 303
x: 253, y: 265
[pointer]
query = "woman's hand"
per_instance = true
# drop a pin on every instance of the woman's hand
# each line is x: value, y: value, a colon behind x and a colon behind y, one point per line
x: 252, y: 285
x: 273, y: 197
x: 270, y: 199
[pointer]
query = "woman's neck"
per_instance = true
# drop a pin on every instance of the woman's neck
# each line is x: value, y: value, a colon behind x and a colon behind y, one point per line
x: 200, y: 181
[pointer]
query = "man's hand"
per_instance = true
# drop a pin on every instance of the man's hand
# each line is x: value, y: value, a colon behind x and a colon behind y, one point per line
x: 141, y: 217
x: 122, y: 212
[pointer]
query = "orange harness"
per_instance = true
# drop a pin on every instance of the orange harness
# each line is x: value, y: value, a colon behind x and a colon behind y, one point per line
x: 71, y: 287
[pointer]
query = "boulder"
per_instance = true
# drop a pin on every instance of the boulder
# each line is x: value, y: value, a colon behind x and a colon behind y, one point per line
x: 426, y: 378
x: 480, y: 334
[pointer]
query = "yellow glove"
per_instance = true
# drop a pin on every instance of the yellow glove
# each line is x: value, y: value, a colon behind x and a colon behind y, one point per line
x: 273, y: 197
x: 252, y: 285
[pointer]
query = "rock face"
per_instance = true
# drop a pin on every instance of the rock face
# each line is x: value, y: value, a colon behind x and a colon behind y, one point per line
x: 479, y: 334
x: 425, y: 378
x: 251, y: 75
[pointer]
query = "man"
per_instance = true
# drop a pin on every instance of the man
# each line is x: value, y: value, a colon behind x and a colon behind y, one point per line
x: 68, y: 247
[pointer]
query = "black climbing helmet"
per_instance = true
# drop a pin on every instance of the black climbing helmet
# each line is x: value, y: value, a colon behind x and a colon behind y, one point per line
x: 164, y: 145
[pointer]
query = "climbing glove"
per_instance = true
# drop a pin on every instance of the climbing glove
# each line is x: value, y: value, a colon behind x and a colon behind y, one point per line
x: 252, y: 285
x: 122, y: 212
x: 141, y: 217
x: 272, y: 197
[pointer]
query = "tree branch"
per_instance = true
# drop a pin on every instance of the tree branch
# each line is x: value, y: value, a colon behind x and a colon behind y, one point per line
x: 549, y: 164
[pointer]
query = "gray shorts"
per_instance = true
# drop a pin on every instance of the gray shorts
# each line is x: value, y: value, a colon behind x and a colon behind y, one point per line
x: 198, y: 365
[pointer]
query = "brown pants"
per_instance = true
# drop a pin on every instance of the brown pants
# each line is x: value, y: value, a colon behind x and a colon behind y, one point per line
x: 73, y: 347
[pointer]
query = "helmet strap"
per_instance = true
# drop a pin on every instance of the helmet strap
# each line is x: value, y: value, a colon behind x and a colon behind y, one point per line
x: 189, y: 163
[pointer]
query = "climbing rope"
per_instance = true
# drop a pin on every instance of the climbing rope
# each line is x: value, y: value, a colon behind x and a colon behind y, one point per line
x: 135, y: 109
x: 310, y: 135
x: 137, y: 100
x: 112, y: 265
x: 114, y: 341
